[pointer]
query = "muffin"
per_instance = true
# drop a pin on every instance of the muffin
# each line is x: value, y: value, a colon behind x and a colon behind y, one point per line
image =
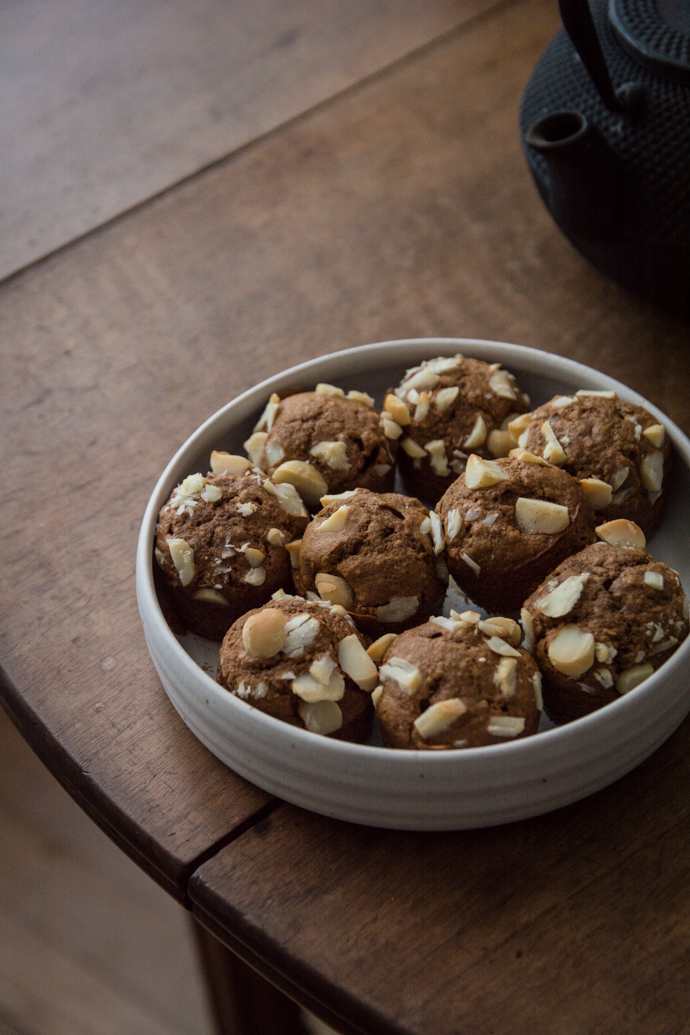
x: 619, y: 450
x: 304, y: 663
x: 221, y: 542
x: 602, y: 622
x: 445, y: 409
x: 507, y: 523
x: 324, y: 442
x: 458, y: 682
x: 377, y: 554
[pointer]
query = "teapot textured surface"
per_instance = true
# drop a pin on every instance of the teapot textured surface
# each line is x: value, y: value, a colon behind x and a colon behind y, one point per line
x: 617, y: 182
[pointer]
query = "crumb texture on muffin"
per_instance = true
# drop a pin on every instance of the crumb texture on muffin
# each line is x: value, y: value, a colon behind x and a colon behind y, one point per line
x: 458, y: 682
x: 302, y: 662
x: 380, y: 555
x: 603, y: 621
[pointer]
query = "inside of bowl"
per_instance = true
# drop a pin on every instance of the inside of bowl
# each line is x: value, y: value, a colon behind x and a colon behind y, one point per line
x: 356, y: 371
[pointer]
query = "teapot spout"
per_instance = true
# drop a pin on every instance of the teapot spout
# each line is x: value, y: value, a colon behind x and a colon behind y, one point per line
x: 582, y: 187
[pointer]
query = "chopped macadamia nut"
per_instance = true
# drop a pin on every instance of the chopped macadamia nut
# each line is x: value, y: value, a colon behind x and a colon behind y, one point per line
x: 335, y: 522
x: 332, y: 453
x: 561, y: 600
x: 499, y: 646
x: 322, y: 717
x: 182, y: 556
x: 477, y: 436
x: 401, y: 672
x: 453, y: 524
x: 334, y: 589
x: 505, y: 726
x: 413, y: 448
x: 210, y: 596
x: 505, y: 676
x: 274, y: 453
x: 265, y: 422
x: 362, y: 397
x: 379, y: 647
x: 255, y: 576
x: 480, y: 474
x: 397, y: 410
x: 309, y: 483
x: 255, y: 446
x: 519, y: 425
x: 356, y: 663
x: 652, y: 472
x: 528, y: 458
x: 503, y: 384
x: 618, y: 477
x: 476, y: 568
x: 264, y: 633
x: 391, y: 428
x: 622, y: 533
x: 437, y: 452
x: 293, y: 549
x: 398, y: 609
x: 445, y: 398
x: 597, y: 493
x: 572, y: 651
x: 439, y: 717
x: 275, y: 537
x: 499, y: 443
x: 227, y: 463
x: 633, y: 676
x: 528, y: 626
x: 654, y: 579
x: 541, y: 517
x: 655, y: 434
x: 553, y: 450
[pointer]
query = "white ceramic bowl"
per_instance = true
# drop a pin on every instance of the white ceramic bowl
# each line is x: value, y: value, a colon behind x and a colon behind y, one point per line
x: 407, y: 789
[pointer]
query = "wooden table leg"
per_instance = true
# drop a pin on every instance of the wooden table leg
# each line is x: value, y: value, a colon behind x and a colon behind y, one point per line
x: 242, y: 1001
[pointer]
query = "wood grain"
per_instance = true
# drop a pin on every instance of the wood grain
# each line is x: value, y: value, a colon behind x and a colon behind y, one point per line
x: 108, y: 102
x: 574, y: 922
x: 402, y: 208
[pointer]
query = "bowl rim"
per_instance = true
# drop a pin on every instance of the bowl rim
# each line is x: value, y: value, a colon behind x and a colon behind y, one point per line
x: 531, y: 361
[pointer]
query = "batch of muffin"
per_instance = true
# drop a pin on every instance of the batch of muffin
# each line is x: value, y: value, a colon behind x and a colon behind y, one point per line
x: 327, y: 587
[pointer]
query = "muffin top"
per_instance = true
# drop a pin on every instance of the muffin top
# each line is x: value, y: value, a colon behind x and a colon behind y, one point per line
x: 603, y: 621
x: 302, y: 662
x: 448, y: 408
x: 507, y: 523
x: 597, y: 437
x: 377, y: 554
x: 458, y: 682
x: 225, y: 533
x: 324, y: 442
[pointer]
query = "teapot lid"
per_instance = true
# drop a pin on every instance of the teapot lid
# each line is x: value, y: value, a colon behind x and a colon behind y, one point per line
x: 655, y: 32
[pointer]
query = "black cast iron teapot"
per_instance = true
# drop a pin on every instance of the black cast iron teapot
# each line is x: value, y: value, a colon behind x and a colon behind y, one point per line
x: 605, y: 123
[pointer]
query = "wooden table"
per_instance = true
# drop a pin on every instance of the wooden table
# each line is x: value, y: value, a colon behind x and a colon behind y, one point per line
x: 398, y: 207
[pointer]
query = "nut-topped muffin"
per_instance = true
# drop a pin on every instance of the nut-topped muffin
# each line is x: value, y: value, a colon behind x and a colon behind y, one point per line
x: 507, y: 523
x: 221, y: 542
x: 380, y: 555
x: 603, y: 622
x: 619, y: 451
x: 444, y: 410
x: 304, y: 663
x: 324, y: 442
x: 458, y: 682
